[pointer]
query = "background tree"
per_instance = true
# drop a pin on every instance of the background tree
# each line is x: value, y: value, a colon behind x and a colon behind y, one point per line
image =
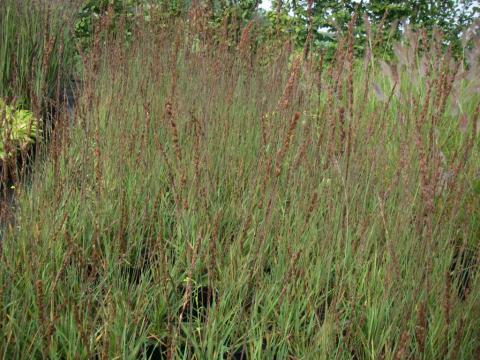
x: 289, y: 18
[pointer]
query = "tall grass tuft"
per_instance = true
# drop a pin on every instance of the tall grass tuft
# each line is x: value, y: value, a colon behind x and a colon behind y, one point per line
x: 204, y: 209
x: 36, y: 52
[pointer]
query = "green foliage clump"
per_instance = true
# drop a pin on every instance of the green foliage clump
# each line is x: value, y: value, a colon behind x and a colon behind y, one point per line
x: 18, y: 129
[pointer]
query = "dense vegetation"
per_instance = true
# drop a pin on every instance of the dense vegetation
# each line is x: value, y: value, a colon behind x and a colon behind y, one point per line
x: 294, y: 18
x: 214, y: 196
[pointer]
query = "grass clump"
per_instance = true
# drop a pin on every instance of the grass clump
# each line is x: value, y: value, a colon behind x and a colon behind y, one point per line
x: 37, y: 53
x: 207, y: 205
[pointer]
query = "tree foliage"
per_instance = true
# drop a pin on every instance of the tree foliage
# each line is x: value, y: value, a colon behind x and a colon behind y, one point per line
x: 293, y: 18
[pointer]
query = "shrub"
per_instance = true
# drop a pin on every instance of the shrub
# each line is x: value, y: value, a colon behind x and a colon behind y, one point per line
x: 94, y: 10
x: 18, y: 129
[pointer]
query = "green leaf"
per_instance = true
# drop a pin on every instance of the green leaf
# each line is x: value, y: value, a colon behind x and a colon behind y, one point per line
x: 18, y: 128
